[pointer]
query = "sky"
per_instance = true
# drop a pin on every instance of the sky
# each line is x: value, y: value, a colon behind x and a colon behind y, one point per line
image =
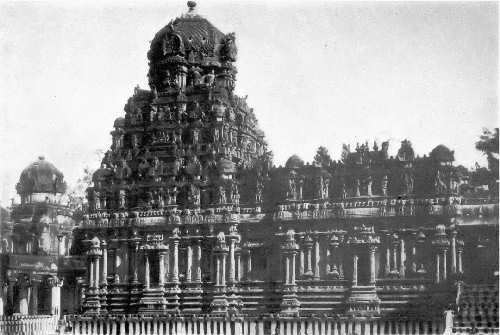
x: 316, y: 73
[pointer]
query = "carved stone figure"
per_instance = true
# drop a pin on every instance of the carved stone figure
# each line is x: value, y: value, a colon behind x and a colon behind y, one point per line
x: 222, y: 195
x: 407, y: 179
x: 369, y: 183
x: 439, y: 184
x: 122, y: 199
x: 229, y: 50
x: 384, y: 185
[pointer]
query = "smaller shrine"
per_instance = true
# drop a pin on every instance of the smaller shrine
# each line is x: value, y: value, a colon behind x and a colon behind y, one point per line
x: 36, y: 243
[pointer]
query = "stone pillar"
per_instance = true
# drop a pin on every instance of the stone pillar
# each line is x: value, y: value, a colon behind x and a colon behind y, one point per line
x: 10, y: 294
x: 198, y: 262
x: 249, y: 263
x: 387, y: 260
x: 437, y: 277
x: 309, y: 259
x: 459, y: 260
x: 161, y: 268
x: 292, y: 281
x: 414, y: 258
x: 402, y: 258
x: 238, y: 266
x: 189, y: 265
x: 55, y: 301
x: 91, y: 272
x: 444, y: 265
x: 97, y: 274
x: 23, y: 297
x: 116, y: 265
x: 125, y: 263
x: 301, y: 267
x: 223, y: 269
x: 60, y: 244
x: 453, y: 252
x: 395, y: 257
x: 316, y: 260
x: 217, y: 271
x: 231, y: 260
x: 135, y: 263
x: 355, y: 270
x: 104, y: 263
x: 287, y: 269
x: 147, y: 280
x: 371, y: 251
x: 35, y: 282
x: 175, y: 260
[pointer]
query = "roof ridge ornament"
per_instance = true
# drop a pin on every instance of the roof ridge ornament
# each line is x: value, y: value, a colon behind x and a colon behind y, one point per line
x: 191, y: 7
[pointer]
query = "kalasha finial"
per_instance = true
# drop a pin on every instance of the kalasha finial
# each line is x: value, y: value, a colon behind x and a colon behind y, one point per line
x: 41, y: 158
x: 191, y: 6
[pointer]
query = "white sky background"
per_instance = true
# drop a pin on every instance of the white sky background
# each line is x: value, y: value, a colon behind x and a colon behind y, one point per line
x: 316, y: 73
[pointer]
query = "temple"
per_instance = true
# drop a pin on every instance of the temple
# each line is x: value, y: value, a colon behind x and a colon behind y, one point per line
x: 191, y: 229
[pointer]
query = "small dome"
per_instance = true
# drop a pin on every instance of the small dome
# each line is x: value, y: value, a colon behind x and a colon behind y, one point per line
x: 189, y: 32
x: 294, y: 162
x: 119, y: 122
x: 41, y: 177
x: 441, y: 153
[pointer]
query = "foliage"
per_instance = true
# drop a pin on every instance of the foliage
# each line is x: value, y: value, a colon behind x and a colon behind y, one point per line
x: 322, y: 157
x: 488, y: 144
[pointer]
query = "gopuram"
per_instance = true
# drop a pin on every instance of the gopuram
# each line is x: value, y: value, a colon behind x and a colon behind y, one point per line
x: 192, y: 230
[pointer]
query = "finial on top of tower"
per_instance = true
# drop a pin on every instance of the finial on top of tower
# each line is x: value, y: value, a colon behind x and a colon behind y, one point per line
x: 192, y: 6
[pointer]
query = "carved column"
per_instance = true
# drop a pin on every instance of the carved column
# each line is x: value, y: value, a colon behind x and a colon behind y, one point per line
x: 10, y: 294
x: 445, y: 266
x: 97, y: 273
x: 23, y: 296
x: 91, y: 272
x: 334, y: 257
x: 238, y: 266
x: 198, y: 262
x: 189, y: 265
x: 147, y: 281
x: 301, y: 267
x: 355, y: 269
x: 316, y: 259
x: 453, y: 252
x: 293, y: 269
x: 249, y: 264
x: 371, y: 252
x: 161, y: 267
x: 437, y: 277
x: 35, y: 283
x: 402, y: 258
x: 135, y: 263
x: 104, y: 247
x: 55, y: 301
x: 395, y: 256
x: 231, y: 260
x: 460, y: 249
x: 308, y: 243
x: 388, y: 259
x: 116, y: 265
x: 175, y: 259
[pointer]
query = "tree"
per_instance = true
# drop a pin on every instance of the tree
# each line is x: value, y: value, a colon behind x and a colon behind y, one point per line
x: 77, y: 199
x: 488, y: 144
x: 322, y: 157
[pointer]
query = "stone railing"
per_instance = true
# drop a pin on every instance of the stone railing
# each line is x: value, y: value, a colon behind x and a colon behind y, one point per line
x: 206, y: 325
x: 302, y: 210
x: 28, y: 324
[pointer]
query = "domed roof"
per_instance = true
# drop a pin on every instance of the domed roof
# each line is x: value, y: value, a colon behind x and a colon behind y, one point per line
x: 189, y: 32
x: 41, y: 177
x: 294, y: 162
x: 441, y: 153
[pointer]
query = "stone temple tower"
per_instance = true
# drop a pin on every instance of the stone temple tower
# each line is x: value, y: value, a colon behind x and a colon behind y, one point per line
x: 185, y: 143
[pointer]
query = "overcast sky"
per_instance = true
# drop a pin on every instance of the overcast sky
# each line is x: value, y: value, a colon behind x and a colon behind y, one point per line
x: 316, y: 73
